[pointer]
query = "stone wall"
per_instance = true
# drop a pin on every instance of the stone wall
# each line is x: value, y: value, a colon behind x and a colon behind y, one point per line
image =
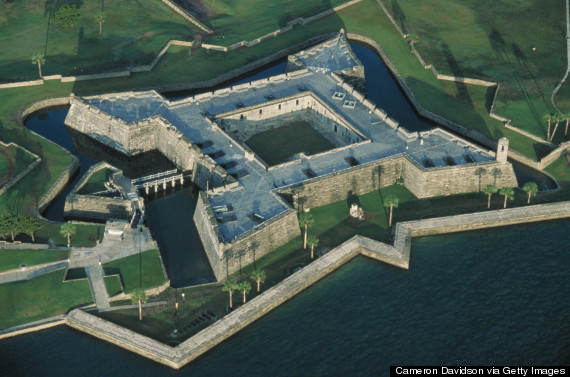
x: 209, y: 232
x: 59, y: 185
x: 187, y: 16
x: 6, y: 186
x: 259, y: 241
x: 224, y: 256
x: 459, y: 179
x: 97, y: 207
x: 303, y: 106
x: 146, y: 135
x: 343, y: 184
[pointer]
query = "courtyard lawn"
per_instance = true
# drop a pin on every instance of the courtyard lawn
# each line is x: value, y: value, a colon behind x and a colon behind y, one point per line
x: 42, y: 297
x: 96, y: 182
x: 130, y: 268
x: 11, y: 259
x: 300, y: 136
x: 133, y: 33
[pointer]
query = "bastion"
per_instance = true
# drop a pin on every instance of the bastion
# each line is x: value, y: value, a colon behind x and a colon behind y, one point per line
x: 249, y: 205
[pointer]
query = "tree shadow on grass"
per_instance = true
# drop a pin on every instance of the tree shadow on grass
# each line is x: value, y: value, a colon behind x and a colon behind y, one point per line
x: 399, y: 15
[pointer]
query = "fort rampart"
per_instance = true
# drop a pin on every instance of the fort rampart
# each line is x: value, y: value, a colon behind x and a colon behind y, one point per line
x: 397, y: 255
x: 154, y: 133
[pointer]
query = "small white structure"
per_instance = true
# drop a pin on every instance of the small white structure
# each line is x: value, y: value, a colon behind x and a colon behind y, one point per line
x: 115, y: 229
x: 502, y: 149
x: 356, y: 212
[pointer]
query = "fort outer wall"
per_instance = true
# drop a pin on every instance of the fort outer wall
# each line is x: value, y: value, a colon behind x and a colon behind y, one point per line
x: 254, y: 244
x: 422, y: 182
x: 154, y: 133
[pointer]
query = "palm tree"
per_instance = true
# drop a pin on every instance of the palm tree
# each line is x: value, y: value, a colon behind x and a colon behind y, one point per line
x: 509, y: 193
x: 489, y: 190
x: 100, y: 18
x: 530, y: 188
x: 306, y: 220
x: 245, y: 287
x: 139, y: 296
x: 68, y: 229
x: 230, y: 286
x: 547, y: 118
x: 258, y: 276
x: 556, y: 118
x: 39, y: 59
x: 313, y: 241
x: 391, y: 201
x: 414, y: 38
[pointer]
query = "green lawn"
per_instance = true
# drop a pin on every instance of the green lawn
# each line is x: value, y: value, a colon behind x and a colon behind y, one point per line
x: 479, y: 39
x: 231, y: 20
x: 300, y: 136
x: 130, y: 268
x: 13, y: 160
x: 133, y: 33
x: 42, y: 297
x: 10, y: 259
x: 86, y: 236
x: 96, y: 182
x: 113, y: 285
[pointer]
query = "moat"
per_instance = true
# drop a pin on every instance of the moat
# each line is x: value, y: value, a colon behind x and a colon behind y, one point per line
x: 446, y: 324
x: 192, y: 267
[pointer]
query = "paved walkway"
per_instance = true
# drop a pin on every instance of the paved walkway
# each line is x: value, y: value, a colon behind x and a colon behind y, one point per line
x: 110, y: 249
x: 30, y: 272
x: 95, y: 275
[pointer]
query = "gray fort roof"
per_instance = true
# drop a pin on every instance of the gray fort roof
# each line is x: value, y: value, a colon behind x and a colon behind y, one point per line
x: 255, y: 193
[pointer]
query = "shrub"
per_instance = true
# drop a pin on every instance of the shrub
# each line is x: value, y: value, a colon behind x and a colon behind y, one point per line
x: 67, y: 16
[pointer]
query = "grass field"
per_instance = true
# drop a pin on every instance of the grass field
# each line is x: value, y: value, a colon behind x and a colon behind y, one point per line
x: 133, y: 33
x: 300, y: 136
x: 130, y: 269
x: 96, y: 182
x: 465, y: 104
x: 13, y: 160
x: 86, y: 236
x: 10, y: 259
x: 113, y: 285
x: 479, y: 39
x: 231, y: 20
x: 42, y: 297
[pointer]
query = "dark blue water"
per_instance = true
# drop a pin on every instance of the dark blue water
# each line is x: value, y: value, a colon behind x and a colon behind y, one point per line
x: 493, y: 297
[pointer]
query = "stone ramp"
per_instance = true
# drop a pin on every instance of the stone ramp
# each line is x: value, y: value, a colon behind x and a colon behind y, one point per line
x: 31, y: 272
x: 95, y: 276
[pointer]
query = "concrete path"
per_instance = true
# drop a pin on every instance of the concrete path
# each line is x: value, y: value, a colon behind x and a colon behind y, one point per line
x: 110, y: 249
x: 95, y: 275
x: 30, y: 272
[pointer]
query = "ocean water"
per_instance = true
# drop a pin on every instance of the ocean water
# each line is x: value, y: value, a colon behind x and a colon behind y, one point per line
x: 497, y: 296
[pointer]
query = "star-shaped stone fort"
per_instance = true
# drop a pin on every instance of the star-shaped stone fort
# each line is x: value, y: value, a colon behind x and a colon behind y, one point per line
x: 250, y: 200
